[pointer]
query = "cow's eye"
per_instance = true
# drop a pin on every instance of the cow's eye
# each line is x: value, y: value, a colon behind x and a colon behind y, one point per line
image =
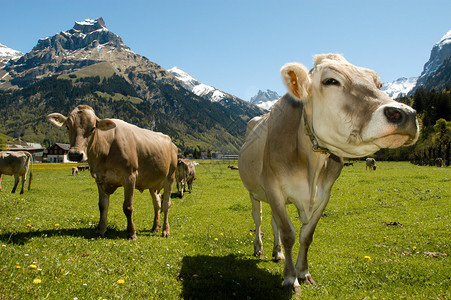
x: 331, y: 81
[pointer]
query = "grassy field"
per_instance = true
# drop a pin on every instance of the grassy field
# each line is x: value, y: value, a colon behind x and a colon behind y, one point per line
x: 370, y: 243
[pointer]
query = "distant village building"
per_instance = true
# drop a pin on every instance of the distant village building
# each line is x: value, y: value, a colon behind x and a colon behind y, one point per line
x: 57, y: 153
x: 36, y: 150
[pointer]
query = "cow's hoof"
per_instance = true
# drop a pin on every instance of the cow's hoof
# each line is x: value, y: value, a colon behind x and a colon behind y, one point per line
x: 308, y: 280
x: 293, y: 288
x: 133, y: 237
x: 259, y: 254
x: 100, y: 233
x: 165, y: 233
x: 155, y: 229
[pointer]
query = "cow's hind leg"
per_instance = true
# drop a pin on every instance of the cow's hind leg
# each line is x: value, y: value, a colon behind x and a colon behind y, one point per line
x: 257, y: 216
x: 104, y: 201
x: 16, y: 182
x: 0, y: 181
x: 156, y: 199
x: 24, y: 177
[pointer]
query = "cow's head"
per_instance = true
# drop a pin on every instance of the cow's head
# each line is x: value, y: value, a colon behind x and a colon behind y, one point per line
x: 81, y: 125
x: 348, y: 112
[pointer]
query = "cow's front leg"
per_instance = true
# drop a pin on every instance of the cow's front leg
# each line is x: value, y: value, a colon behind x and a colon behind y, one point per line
x: 288, y: 237
x: 104, y: 201
x: 127, y: 207
x: 166, y: 205
x: 277, y: 252
x: 0, y: 181
x: 156, y: 199
x: 305, y: 239
x: 257, y: 216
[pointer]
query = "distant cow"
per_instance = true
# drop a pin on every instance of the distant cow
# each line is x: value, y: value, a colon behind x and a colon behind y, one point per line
x: 16, y: 163
x: 295, y: 153
x: 74, y: 171
x: 370, y: 163
x: 121, y: 154
x: 233, y: 167
x: 185, y: 174
x: 348, y: 164
x: 439, y: 162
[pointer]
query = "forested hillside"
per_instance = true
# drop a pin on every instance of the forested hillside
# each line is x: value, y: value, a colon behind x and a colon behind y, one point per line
x: 434, y: 113
x: 191, y: 121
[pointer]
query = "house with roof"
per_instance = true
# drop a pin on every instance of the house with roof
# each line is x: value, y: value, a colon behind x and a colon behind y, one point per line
x: 57, y: 153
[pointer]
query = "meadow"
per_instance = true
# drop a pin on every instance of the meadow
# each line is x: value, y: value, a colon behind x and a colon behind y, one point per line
x: 383, y: 235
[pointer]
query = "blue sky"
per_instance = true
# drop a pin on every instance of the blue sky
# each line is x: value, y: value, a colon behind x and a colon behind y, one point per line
x: 239, y: 46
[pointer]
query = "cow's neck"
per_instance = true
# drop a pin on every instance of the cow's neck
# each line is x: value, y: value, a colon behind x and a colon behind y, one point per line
x: 307, y: 115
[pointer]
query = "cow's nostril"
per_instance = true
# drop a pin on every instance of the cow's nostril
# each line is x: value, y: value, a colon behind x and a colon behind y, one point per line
x: 394, y: 115
x: 75, y: 156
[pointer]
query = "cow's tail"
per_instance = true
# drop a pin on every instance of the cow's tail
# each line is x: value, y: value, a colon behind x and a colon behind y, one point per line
x: 30, y: 162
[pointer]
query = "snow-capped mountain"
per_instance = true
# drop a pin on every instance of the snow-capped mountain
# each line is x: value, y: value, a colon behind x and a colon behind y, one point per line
x: 265, y: 99
x: 7, y: 53
x: 198, y: 88
x: 400, y: 87
x: 440, y: 53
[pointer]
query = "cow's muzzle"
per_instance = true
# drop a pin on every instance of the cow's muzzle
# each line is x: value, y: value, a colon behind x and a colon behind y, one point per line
x: 75, y: 156
x: 405, y: 119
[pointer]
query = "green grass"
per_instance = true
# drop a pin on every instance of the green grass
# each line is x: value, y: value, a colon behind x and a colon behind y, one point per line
x: 48, y: 234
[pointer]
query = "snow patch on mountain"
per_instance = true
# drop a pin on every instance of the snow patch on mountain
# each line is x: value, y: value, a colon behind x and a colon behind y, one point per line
x: 200, y: 89
x: 400, y: 87
x: 8, y: 53
x: 265, y: 99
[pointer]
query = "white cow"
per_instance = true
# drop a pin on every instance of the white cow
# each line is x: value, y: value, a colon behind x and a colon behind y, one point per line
x: 295, y: 153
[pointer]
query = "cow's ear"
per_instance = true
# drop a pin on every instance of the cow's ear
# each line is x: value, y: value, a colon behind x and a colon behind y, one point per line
x: 105, y: 124
x: 57, y: 119
x: 297, y: 80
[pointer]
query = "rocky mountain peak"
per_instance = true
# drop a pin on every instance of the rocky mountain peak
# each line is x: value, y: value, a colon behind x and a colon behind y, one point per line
x: 88, y: 33
x: 440, y: 53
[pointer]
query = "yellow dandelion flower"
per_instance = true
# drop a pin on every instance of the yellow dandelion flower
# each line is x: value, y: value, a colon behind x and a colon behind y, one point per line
x: 56, y: 225
x: 195, y: 275
x: 33, y: 266
x: 414, y: 247
x: 250, y: 233
x: 367, y: 257
x: 186, y: 244
x: 216, y: 239
x: 29, y: 221
x: 121, y: 281
x: 18, y: 267
x: 37, y: 281
x: 221, y: 233
x: 28, y: 225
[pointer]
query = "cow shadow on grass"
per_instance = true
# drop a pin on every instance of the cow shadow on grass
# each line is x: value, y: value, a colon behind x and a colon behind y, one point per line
x: 20, y: 238
x: 229, y: 277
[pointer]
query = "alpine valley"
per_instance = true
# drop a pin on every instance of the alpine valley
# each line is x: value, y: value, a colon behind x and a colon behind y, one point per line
x: 89, y: 64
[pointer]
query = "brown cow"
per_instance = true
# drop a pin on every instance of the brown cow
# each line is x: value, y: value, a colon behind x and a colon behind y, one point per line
x: 74, y: 171
x: 370, y: 163
x: 295, y: 153
x: 16, y: 163
x: 121, y: 154
x: 185, y: 173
